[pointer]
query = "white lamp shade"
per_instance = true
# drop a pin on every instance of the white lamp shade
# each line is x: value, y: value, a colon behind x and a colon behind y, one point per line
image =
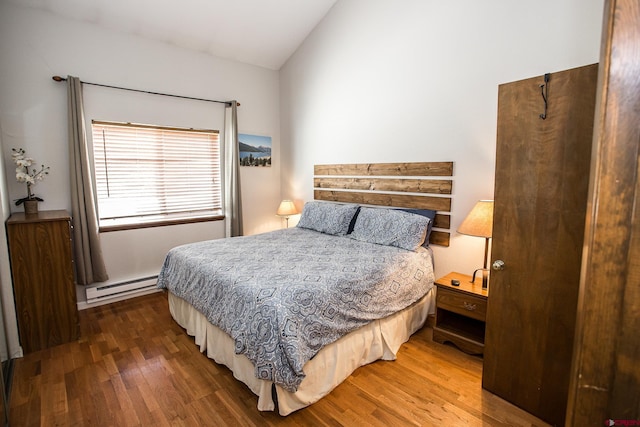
x: 479, y: 222
x: 286, y: 208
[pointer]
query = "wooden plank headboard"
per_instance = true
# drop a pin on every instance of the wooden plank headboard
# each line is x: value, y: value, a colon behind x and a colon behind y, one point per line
x: 400, y: 185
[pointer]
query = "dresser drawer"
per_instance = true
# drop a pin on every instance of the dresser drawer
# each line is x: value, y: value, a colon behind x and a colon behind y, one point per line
x: 461, y: 303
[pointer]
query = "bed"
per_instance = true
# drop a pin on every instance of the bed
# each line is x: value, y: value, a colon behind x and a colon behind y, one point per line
x: 294, y: 312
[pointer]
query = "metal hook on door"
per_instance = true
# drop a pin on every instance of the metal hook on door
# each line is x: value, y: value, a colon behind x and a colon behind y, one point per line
x: 544, y: 90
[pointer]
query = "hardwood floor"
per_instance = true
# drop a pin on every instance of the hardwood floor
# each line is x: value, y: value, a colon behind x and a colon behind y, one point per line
x: 134, y: 366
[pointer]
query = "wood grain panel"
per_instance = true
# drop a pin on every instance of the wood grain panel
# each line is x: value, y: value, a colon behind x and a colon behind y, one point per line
x: 387, y: 169
x: 381, y: 199
x: 433, y: 186
x: 367, y: 184
x: 458, y: 302
x: 133, y: 365
x: 542, y: 170
x: 442, y: 221
x: 440, y: 238
x: 605, y: 372
x: 42, y: 271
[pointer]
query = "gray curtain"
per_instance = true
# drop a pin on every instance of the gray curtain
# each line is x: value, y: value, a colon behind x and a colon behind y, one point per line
x: 86, y: 239
x: 233, y: 202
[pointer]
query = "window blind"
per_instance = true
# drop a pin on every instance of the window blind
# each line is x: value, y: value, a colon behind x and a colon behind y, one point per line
x: 146, y: 172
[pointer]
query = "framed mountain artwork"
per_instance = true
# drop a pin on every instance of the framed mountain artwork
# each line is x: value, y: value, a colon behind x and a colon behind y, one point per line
x: 255, y: 150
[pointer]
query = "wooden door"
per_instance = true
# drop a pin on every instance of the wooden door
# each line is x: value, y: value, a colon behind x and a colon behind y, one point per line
x: 542, y: 175
x: 606, y: 373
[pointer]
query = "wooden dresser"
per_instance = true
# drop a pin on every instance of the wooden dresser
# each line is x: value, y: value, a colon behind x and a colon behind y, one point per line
x: 43, y: 279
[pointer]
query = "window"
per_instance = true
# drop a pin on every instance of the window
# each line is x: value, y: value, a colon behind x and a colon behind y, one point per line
x: 147, y: 174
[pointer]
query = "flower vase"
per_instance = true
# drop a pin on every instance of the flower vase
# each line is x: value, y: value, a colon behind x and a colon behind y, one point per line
x: 30, y: 207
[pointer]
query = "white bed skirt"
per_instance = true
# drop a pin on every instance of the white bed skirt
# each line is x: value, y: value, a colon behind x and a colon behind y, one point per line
x: 378, y: 340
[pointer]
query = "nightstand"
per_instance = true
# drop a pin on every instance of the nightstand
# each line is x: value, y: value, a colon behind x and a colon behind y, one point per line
x: 461, y: 313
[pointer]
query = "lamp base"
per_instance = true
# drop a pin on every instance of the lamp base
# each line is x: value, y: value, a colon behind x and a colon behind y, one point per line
x: 485, y: 277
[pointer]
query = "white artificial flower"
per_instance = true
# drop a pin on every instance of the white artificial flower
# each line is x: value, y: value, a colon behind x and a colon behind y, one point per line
x: 21, y: 176
x: 24, y: 162
x: 26, y: 171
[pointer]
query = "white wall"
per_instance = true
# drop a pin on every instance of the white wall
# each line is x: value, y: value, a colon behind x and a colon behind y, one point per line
x: 378, y: 80
x: 35, y: 45
x: 417, y: 80
x: 9, y: 338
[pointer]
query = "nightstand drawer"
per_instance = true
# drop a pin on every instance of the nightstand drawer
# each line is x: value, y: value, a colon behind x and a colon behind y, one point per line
x: 461, y: 303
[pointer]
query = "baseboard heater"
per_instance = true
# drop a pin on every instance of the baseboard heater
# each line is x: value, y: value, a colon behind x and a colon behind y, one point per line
x: 116, y: 290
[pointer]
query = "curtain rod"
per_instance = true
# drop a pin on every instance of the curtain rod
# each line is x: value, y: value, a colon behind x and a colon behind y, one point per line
x: 62, y: 79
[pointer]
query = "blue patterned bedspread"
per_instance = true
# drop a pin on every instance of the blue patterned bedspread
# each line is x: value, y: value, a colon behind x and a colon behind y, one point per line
x: 285, y: 294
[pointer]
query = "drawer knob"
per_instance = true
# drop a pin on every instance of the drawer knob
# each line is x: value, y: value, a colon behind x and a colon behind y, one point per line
x: 469, y: 306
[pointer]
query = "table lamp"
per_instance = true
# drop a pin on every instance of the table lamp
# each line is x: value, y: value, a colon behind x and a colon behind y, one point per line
x: 286, y: 209
x: 479, y: 223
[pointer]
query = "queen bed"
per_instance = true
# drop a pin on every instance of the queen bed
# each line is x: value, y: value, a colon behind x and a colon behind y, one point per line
x: 294, y: 312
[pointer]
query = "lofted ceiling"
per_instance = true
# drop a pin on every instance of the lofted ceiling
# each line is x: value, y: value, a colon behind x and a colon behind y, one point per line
x: 259, y: 32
